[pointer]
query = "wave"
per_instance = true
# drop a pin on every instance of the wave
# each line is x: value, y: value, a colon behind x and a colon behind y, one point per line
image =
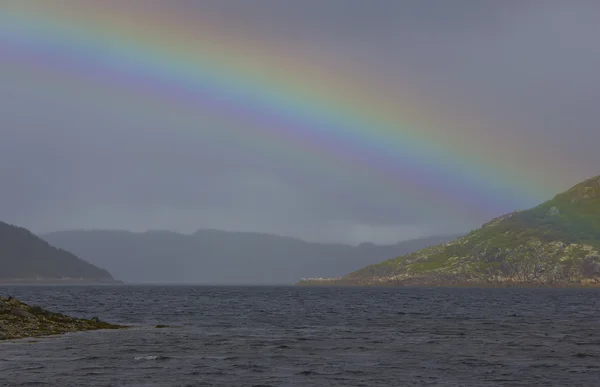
x: 151, y: 357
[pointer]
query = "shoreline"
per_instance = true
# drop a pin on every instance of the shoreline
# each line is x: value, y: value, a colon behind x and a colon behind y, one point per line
x: 464, y: 285
x: 29, y: 282
x: 19, y: 320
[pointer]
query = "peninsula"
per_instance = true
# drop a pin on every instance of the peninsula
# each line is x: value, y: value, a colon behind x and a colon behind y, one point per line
x: 555, y: 244
x: 28, y: 259
x: 19, y: 320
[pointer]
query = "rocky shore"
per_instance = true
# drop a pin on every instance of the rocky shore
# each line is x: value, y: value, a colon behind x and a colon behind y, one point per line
x: 447, y: 281
x: 19, y: 320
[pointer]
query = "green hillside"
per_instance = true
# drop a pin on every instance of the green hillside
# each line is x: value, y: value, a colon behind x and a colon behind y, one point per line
x: 555, y: 243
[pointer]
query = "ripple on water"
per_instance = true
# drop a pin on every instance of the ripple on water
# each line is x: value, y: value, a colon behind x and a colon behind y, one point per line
x: 268, y: 336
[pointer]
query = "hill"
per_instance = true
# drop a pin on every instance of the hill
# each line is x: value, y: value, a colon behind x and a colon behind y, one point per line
x: 219, y: 257
x: 553, y: 244
x: 25, y: 257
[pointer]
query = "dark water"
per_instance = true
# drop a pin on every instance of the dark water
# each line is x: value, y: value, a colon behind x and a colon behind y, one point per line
x: 227, y: 336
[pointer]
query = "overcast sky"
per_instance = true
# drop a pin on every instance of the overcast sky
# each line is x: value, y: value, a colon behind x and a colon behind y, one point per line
x: 66, y: 163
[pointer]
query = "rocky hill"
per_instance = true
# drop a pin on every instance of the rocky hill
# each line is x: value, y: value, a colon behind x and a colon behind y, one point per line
x: 554, y: 244
x: 25, y: 257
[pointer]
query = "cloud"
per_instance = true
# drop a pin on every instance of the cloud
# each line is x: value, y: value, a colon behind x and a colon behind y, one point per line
x: 68, y: 163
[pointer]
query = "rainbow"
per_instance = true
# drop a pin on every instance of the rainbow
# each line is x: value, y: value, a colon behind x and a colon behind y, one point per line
x: 278, y: 98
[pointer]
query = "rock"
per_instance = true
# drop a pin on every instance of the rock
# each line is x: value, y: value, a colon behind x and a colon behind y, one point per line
x: 37, y: 310
x: 13, y: 301
x: 21, y: 313
x: 590, y: 266
x: 161, y: 326
x: 22, y: 321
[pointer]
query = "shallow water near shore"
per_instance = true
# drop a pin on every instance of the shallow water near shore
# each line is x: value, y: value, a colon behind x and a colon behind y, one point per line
x: 292, y: 336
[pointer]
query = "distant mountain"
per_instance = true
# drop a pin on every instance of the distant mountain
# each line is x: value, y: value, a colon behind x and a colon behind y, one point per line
x: 219, y: 257
x: 25, y: 257
x: 553, y: 244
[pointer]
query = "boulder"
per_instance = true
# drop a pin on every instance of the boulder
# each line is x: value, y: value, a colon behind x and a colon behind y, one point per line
x: 37, y: 310
x: 21, y: 313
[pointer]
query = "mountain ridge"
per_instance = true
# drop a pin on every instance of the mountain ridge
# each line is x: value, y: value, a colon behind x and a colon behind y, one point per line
x: 222, y: 257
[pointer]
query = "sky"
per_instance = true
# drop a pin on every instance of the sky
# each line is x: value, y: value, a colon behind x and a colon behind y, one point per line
x: 74, y: 155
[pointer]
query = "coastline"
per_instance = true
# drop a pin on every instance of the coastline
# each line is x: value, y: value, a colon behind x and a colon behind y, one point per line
x: 57, y: 281
x: 19, y: 320
x: 449, y: 284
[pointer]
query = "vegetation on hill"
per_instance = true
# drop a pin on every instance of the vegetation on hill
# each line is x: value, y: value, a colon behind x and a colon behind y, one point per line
x: 553, y: 244
x: 26, y: 256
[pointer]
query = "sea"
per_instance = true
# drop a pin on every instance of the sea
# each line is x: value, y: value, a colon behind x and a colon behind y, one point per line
x: 310, y: 336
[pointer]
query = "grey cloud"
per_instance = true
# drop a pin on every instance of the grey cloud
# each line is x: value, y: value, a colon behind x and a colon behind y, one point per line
x: 65, y: 163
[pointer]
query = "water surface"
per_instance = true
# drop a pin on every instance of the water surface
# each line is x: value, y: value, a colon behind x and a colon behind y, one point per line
x: 286, y: 336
